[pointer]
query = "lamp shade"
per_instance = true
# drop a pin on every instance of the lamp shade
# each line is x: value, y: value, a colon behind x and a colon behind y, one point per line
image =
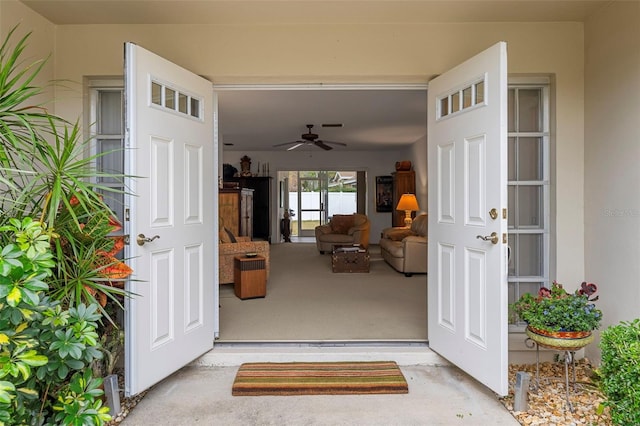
x: 408, y: 202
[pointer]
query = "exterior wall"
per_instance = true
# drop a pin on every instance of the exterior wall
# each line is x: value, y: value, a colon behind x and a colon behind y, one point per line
x: 41, y: 43
x: 612, y: 155
x: 357, y: 53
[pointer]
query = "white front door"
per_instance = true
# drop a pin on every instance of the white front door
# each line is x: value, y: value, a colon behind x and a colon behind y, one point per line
x: 467, y: 159
x: 170, y: 150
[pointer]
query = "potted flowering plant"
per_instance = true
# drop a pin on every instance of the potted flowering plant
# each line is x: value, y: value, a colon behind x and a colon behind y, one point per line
x: 556, y: 314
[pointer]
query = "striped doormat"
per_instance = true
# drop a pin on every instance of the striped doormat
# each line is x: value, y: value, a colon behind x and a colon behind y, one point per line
x: 319, y: 378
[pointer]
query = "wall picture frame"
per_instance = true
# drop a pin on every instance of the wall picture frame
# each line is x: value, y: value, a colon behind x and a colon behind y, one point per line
x: 384, y: 194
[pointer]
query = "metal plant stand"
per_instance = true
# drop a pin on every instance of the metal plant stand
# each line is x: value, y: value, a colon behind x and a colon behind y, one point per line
x: 569, y: 361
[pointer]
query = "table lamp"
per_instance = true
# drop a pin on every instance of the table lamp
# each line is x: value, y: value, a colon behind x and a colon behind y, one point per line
x: 408, y: 203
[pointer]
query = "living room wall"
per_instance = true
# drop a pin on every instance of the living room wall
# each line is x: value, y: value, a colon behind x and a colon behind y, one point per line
x: 358, y: 53
x: 375, y: 163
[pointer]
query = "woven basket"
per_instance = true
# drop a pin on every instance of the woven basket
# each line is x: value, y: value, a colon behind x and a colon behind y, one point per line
x: 560, y: 340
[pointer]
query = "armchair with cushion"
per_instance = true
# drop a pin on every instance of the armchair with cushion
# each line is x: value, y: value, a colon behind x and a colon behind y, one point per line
x: 343, y: 229
x: 231, y: 246
x: 405, y: 249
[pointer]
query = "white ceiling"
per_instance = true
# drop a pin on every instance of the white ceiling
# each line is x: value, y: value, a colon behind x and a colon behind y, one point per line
x: 372, y: 119
x: 257, y: 119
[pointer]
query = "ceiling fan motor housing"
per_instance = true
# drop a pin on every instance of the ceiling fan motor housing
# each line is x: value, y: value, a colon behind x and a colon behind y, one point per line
x: 309, y: 136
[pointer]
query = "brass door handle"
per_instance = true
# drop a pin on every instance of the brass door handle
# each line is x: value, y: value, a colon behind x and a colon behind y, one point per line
x: 142, y: 239
x: 493, y: 238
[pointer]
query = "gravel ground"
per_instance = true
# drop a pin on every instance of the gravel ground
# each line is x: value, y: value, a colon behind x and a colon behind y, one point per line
x: 547, y: 405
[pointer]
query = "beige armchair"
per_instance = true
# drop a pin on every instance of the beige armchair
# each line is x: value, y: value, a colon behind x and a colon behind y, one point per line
x: 343, y: 229
x: 228, y: 249
x: 406, y: 249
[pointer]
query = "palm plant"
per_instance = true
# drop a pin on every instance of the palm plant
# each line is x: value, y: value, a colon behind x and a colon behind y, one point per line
x: 47, y: 174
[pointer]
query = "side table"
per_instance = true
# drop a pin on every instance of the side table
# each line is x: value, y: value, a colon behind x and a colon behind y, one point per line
x: 249, y: 276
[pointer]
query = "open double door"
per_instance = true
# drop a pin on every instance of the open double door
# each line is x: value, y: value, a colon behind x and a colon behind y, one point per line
x: 171, y: 143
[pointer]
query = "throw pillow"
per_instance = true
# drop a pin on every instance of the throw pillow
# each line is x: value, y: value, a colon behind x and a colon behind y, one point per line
x: 419, y: 225
x: 340, y: 224
x: 226, y: 236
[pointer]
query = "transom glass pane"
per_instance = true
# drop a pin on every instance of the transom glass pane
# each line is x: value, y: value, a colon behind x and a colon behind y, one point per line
x: 169, y: 98
x: 182, y: 102
x: 195, y: 108
x: 466, y: 98
x: 156, y: 93
x: 455, y: 102
x: 444, y: 106
x: 480, y: 92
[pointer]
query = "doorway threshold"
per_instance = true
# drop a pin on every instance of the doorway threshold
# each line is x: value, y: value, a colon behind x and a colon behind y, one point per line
x: 409, y: 352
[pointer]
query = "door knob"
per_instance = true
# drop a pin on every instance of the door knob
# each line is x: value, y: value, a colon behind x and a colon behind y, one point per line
x: 493, y: 238
x: 142, y: 239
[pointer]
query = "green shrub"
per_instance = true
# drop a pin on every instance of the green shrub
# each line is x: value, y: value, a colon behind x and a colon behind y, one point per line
x: 43, y: 348
x: 620, y: 371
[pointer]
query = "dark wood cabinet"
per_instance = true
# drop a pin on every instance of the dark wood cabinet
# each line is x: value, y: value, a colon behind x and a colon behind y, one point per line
x: 403, y: 183
x: 235, y: 207
x: 261, y: 186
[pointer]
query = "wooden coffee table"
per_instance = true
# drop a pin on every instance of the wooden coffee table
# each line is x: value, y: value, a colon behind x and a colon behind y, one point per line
x: 349, y: 258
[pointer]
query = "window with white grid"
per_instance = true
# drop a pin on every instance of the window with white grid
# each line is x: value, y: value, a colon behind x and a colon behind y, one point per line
x: 528, y: 190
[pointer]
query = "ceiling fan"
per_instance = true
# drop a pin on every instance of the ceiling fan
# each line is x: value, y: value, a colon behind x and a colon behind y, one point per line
x: 310, y: 138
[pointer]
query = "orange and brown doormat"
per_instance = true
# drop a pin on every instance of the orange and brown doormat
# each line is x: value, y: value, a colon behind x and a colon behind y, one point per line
x: 319, y: 378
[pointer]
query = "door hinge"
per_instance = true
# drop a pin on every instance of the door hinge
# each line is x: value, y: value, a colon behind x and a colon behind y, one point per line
x: 127, y: 215
x: 505, y: 239
x: 504, y: 213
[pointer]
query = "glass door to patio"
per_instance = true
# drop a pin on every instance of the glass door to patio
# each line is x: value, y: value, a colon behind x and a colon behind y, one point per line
x: 312, y: 201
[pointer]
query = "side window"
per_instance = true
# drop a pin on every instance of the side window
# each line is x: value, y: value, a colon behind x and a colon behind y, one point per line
x: 107, y: 131
x: 528, y: 189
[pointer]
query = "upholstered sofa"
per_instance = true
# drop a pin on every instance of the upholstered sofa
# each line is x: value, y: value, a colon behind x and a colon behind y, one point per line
x: 231, y: 246
x: 405, y: 249
x: 343, y: 229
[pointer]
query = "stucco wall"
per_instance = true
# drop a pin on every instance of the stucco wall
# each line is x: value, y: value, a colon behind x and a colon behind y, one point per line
x: 41, y: 43
x: 360, y: 53
x: 612, y: 155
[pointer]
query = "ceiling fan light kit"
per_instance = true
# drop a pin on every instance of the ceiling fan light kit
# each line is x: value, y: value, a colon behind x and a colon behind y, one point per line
x: 311, y: 138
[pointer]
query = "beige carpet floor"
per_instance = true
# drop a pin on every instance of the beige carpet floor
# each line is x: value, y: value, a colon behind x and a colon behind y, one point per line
x: 306, y: 301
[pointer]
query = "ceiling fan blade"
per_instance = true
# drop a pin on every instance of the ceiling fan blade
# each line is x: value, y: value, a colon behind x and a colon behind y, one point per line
x: 322, y: 145
x: 297, y: 144
x: 335, y: 143
x: 288, y: 143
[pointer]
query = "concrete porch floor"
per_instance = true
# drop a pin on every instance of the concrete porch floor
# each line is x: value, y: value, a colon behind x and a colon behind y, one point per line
x: 439, y: 393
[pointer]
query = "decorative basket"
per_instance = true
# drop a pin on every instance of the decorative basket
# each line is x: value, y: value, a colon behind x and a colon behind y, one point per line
x: 560, y: 340
x: 403, y: 166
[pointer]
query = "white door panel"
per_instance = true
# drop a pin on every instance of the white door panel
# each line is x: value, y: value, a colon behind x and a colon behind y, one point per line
x: 170, y: 320
x: 467, y: 282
